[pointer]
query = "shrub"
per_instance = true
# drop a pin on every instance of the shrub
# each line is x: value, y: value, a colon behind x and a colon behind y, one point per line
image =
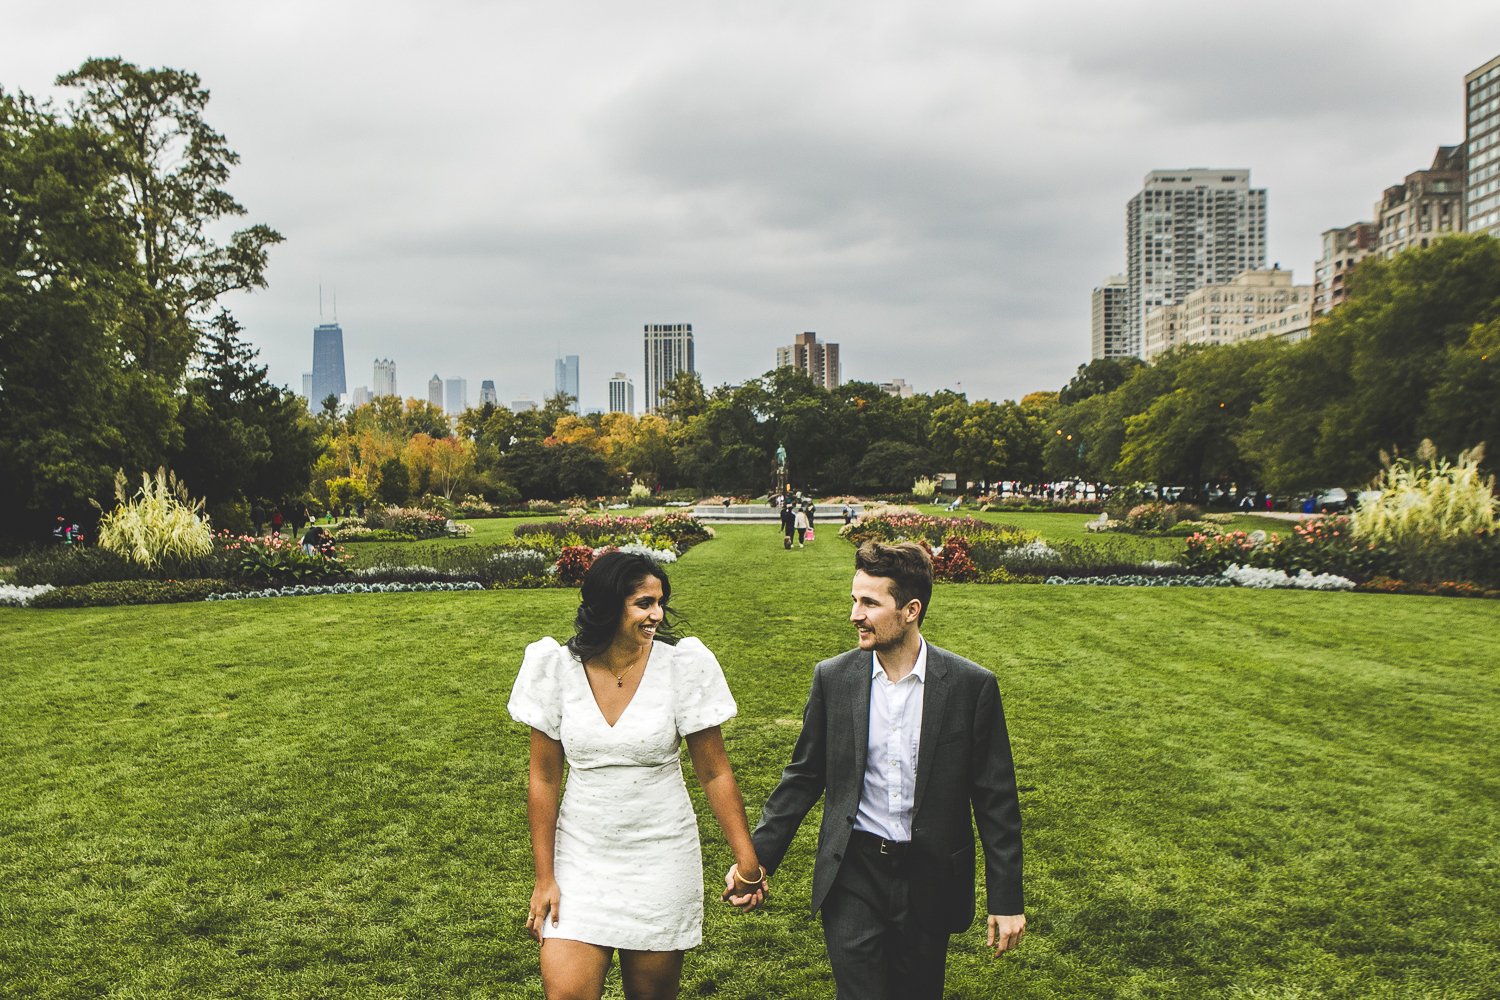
x: 156, y: 525
x: 69, y: 565
x: 306, y: 590
x: 951, y: 561
x: 1156, y: 516
x: 681, y: 530
x: 573, y: 564
x: 1435, y: 520
x: 408, y: 521
x: 1320, y: 545
x: 115, y: 592
x: 883, y: 527
x: 274, y: 558
x: 639, y: 491
x: 924, y: 488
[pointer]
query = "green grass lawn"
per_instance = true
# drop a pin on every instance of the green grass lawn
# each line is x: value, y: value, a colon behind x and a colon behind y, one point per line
x: 1225, y: 792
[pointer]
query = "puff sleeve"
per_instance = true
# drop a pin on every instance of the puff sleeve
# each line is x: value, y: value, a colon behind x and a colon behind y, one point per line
x: 536, y: 698
x: 700, y: 694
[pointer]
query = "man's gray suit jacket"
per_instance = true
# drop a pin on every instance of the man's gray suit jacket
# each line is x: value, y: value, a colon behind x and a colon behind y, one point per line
x: 963, y: 761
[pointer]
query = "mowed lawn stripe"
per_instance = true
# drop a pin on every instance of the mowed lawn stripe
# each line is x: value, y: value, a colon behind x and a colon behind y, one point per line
x: 1225, y: 792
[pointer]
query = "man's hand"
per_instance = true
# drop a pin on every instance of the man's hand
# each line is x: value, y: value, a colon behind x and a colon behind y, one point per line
x: 1005, y: 932
x: 741, y: 896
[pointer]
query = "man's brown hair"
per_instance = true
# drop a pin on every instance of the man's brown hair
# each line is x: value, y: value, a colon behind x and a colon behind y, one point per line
x: 906, y: 564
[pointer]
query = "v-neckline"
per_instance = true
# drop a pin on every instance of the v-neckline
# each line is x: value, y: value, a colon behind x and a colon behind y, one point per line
x: 645, y: 668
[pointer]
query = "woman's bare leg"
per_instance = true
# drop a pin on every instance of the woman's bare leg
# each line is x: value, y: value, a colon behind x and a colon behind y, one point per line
x: 650, y: 975
x: 573, y: 970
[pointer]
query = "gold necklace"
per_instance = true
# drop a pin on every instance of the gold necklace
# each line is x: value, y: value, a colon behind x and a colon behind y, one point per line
x: 620, y: 677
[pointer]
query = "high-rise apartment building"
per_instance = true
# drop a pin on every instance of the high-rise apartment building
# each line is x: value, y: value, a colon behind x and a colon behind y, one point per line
x: 435, y: 391
x: 1342, y: 250
x: 384, y: 383
x: 307, y: 387
x: 669, y: 350
x: 899, y: 388
x: 1482, y: 149
x: 360, y: 396
x: 328, y: 363
x: 819, y: 361
x: 1111, y: 305
x: 621, y: 394
x: 487, y: 393
x: 1427, y: 205
x: 1228, y: 313
x: 1186, y: 229
x: 522, y: 405
x: 565, y: 377
x: 455, y: 396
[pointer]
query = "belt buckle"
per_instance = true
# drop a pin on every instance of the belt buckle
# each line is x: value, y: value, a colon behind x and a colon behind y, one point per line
x: 885, y: 844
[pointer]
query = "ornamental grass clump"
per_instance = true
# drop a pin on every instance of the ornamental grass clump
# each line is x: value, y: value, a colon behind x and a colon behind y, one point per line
x: 1435, y: 519
x: 159, y: 524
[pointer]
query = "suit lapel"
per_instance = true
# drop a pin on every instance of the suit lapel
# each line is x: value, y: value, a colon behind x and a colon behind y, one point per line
x: 934, y: 702
x: 859, y: 711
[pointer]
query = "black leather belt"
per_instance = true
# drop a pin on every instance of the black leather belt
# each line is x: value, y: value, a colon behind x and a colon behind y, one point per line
x: 892, y: 853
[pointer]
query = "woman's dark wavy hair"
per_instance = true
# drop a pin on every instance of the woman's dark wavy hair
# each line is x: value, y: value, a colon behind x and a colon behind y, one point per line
x: 606, y: 586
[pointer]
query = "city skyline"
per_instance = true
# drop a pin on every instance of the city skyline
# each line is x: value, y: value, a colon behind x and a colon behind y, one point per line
x: 923, y: 185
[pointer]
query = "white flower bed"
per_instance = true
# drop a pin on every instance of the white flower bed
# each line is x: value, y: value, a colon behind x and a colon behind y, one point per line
x: 303, y: 590
x: 655, y: 555
x: 1139, y: 580
x: 1266, y: 579
x: 1036, y: 550
x: 19, y: 597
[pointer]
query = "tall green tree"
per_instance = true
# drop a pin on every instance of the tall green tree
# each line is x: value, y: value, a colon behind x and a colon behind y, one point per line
x: 246, y: 443
x: 172, y: 167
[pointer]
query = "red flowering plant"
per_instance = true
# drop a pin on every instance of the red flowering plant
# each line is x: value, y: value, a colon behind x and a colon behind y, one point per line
x: 573, y: 564
x: 952, y: 561
x: 1319, y: 545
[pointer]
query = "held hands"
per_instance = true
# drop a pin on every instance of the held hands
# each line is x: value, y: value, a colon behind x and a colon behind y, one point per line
x: 544, y: 904
x: 1005, y: 932
x: 742, y: 894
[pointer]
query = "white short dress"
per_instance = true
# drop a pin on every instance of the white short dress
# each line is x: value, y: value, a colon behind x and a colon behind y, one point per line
x: 628, y: 863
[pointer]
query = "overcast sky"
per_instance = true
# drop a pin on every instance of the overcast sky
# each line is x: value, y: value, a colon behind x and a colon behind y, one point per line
x: 937, y: 187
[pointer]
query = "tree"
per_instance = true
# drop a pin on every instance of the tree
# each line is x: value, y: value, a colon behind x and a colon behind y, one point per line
x: 892, y: 466
x: 69, y: 415
x: 1099, y: 376
x: 394, y: 487
x: 245, y: 442
x: 172, y: 168
x: 681, y: 398
x: 1372, y: 376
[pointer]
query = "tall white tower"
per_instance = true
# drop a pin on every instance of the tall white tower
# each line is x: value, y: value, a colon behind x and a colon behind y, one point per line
x: 669, y: 350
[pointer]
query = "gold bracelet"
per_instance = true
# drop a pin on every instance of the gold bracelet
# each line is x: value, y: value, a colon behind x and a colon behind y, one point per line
x: 742, y: 880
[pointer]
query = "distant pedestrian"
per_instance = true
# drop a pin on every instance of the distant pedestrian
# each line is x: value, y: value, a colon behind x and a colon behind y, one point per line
x: 848, y: 514
x: 788, y: 525
x: 313, y: 540
x: 799, y: 520
x: 276, y: 522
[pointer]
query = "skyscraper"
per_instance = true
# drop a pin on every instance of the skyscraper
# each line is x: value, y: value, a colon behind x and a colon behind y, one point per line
x: 385, y: 378
x: 669, y: 350
x: 328, y: 363
x: 565, y: 377
x: 487, y: 393
x: 435, y: 391
x: 307, y: 387
x: 819, y: 361
x: 1482, y: 146
x: 1342, y: 250
x: 456, y: 396
x: 1428, y: 205
x: 1111, y: 300
x: 621, y: 394
x: 1186, y: 229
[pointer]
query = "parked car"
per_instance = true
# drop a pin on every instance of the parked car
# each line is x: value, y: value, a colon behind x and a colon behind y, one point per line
x: 1334, y: 501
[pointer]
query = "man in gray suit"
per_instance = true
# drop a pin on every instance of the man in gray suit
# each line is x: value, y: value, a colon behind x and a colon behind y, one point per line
x: 901, y: 739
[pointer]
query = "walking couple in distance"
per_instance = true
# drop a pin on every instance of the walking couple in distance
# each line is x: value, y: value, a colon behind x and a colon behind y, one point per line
x: 900, y: 739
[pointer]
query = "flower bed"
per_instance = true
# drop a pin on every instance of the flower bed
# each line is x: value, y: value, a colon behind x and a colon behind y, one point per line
x: 1140, y: 580
x: 18, y: 597
x: 307, y: 590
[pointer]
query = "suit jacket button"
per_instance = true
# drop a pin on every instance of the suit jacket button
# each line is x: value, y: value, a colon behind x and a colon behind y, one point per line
x: 849, y: 820
x: 838, y: 857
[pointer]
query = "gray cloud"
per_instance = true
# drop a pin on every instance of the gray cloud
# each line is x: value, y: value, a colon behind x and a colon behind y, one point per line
x: 938, y: 188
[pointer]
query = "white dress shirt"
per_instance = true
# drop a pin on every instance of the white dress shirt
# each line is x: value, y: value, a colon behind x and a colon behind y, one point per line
x: 885, y: 804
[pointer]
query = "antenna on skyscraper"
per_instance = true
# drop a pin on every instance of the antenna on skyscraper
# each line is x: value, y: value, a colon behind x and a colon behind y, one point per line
x: 320, y: 302
x: 335, y: 303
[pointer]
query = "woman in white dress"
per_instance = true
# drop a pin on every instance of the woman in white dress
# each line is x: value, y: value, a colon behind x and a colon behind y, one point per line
x: 618, y: 863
